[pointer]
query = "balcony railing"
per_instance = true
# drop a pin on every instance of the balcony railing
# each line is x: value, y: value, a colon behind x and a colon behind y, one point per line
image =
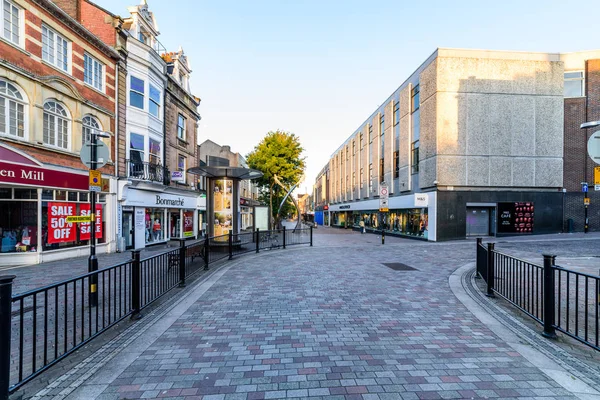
x: 148, y: 171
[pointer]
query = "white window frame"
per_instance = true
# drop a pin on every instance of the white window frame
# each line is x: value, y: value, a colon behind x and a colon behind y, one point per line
x: 180, y: 156
x: 150, y: 100
x: 97, y: 84
x: 23, y: 101
x: 58, y: 118
x: 582, y: 80
x: 135, y: 91
x: 183, y: 128
x: 89, y: 122
x: 20, y: 24
x: 54, y: 52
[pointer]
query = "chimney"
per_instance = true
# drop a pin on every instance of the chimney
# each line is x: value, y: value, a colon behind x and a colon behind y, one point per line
x: 71, y: 7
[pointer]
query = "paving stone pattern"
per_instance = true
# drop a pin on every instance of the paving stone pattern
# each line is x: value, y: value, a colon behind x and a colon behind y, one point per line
x: 333, y: 322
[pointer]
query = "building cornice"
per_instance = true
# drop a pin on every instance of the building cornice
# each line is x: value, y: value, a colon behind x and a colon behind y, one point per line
x: 65, y: 18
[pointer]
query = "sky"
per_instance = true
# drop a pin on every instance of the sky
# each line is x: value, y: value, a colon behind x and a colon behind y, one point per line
x: 320, y: 68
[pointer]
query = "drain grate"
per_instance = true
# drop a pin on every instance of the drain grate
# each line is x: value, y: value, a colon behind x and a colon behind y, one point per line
x: 399, y: 267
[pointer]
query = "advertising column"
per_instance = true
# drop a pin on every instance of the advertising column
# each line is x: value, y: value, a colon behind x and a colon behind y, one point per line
x: 223, y: 201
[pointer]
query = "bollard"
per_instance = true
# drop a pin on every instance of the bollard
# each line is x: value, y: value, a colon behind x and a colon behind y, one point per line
x: 311, y: 242
x: 136, y: 293
x: 257, y: 240
x: 284, y: 236
x: 230, y: 244
x: 206, y: 252
x: 182, y: 268
x: 549, y: 298
x: 6, y: 282
x: 490, y: 271
x: 382, y: 236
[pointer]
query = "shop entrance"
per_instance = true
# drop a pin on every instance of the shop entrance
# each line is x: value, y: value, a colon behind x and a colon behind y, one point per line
x: 478, y: 221
x: 128, y: 231
x: 175, y: 224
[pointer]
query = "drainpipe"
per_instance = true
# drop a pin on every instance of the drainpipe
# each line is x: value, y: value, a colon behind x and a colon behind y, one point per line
x: 165, y: 130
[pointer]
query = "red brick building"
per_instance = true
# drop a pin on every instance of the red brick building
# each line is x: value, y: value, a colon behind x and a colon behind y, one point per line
x: 582, y: 104
x: 57, y: 84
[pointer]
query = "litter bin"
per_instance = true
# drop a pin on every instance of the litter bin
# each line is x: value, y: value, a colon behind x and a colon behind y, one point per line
x: 570, y: 225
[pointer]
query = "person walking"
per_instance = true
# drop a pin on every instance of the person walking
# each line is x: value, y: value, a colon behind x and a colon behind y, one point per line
x: 362, y: 226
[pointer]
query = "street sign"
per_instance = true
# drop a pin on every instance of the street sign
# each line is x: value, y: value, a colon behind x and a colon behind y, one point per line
x: 384, y: 192
x: 586, y: 201
x: 383, y: 205
x: 596, y: 187
x: 593, y: 147
x: 79, y: 218
x: 584, y: 187
x: 102, y: 154
x: 596, y: 175
x: 95, y: 181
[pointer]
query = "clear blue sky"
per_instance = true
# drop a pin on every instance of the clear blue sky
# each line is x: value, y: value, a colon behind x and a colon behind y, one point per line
x: 320, y: 68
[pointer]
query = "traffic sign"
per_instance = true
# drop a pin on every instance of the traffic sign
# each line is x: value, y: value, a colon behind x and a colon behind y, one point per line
x: 79, y: 218
x: 586, y: 201
x: 596, y: 187
x: 384, y: 192
x: 596, y: 175
x: 95, y: 181
x: 383, y: 205
x: 593, y: 147
x: 102, y: 154
x: 584, y: 187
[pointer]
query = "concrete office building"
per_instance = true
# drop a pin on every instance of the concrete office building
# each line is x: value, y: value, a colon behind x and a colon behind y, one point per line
x: 478, y: 133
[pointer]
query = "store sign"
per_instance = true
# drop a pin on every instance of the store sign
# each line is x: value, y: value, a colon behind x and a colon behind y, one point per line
x: 177, y: 176
x: 346, y: 207
x: 421, y: 200
x: 143, y: 198
x: 59, y: 230
x: 169, y: 202
x: 188, y: 223
x: 36, y: 176
x: 515, y: 217
x: 85, y: 228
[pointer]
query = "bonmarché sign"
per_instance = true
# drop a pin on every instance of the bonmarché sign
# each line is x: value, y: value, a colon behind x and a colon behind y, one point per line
x: 169, y: 202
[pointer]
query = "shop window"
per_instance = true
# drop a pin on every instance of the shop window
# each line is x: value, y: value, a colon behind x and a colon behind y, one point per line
x: 12, y: 106
x: 154, y: 225
x: 60, y: 195
x: 26, y: 194
x: 89, y: 125
x: 5, y: 193
x: 47, y: 194
x: 58, y: 234
x: 72, y: 196
x: 56, y: 125
x: 83, y: 196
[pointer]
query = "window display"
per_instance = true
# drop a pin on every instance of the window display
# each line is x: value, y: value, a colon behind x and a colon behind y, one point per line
x: 409, y: 222
x: 154, y: 225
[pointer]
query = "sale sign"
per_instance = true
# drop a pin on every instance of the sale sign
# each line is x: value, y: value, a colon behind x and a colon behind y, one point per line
x: 188, y: 223
x: 85, y: 228
x: 59, y: 230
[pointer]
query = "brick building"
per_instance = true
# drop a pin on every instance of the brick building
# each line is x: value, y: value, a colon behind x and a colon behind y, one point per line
x: 57, y: 84
x: 582, y: 104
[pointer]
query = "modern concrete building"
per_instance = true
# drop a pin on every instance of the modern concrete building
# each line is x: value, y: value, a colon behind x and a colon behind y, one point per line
x: 470, y: 144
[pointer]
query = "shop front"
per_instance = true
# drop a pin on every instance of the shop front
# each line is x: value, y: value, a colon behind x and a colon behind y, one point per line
x: 149, y: 217
x: 35, y: 201
x: 408, y: 216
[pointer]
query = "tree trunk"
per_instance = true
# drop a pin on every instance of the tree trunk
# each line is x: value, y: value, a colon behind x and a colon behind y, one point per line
x: 271, y: 206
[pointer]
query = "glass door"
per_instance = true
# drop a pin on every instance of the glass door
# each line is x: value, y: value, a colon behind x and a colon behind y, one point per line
x: 127, y: 221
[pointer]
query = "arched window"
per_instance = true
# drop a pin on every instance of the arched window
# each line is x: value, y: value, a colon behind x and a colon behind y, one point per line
x: 56, y: 124
x: 89, y: 125
x: 12, y: 110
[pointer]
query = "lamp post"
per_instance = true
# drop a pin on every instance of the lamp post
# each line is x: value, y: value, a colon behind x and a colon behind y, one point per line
x: 92, y: 260
x: 586, y: 125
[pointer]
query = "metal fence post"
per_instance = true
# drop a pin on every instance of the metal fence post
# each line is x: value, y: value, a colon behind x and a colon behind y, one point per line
x: 477, y: 266
x: 136, y: 294
x: 490, y: 270
x: 6, y: 282
x: 182, y: 268
x: 206, y: 252
x: 257, y: 240
x: 284, y: 236
x: 311, y: 241
x: 549, y: 298
x: 230, y: 244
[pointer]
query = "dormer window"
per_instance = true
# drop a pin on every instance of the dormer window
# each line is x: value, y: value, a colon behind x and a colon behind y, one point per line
x: 144, y: 37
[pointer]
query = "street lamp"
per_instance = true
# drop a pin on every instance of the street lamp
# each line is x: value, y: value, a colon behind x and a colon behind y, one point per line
x: 586, y: 125
x: 92, y: 260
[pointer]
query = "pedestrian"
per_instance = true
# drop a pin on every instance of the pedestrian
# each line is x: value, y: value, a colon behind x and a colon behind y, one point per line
x: 362, y: 226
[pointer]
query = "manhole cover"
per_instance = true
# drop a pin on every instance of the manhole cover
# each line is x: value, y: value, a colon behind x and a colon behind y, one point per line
x: 399, y: 267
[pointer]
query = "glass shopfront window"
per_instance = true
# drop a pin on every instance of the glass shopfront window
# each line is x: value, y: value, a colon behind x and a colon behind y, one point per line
x: 154, y: 225
x: 408, y: 222
x: 56, y: 233
x: 18, y: 220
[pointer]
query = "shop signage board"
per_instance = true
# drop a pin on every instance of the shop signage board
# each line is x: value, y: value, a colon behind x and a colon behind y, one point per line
x: 59, y: 230
x: 421, y: 200
x: 140, y: 218
x: 188, y: 223
x: 95, y: 180
x: 517, y: 217
x: 41, y: 177
x: 160, y: 200
x: 86, y: 228
x: 176, y: 176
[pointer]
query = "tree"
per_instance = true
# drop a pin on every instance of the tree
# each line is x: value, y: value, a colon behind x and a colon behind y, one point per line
x: 278, y: 154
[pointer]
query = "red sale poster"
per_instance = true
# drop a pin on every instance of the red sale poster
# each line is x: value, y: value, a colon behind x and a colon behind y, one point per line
x: 188, y: 223
x: 86, y: 227
x: 59, y: 231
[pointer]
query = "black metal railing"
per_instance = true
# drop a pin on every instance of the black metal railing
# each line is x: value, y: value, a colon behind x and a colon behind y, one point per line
x: 147, y: 171
x: 52, y: 322
x: 559, y: 299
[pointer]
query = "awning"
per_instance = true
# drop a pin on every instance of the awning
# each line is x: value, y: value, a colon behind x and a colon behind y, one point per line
x: 225, y: 172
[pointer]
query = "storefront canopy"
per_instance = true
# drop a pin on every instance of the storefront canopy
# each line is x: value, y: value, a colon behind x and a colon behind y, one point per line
x: 225, y: 172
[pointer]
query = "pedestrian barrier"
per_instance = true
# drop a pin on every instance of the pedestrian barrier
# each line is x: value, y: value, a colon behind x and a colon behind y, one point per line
x: 45, y: 325
x: 559, y: 299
